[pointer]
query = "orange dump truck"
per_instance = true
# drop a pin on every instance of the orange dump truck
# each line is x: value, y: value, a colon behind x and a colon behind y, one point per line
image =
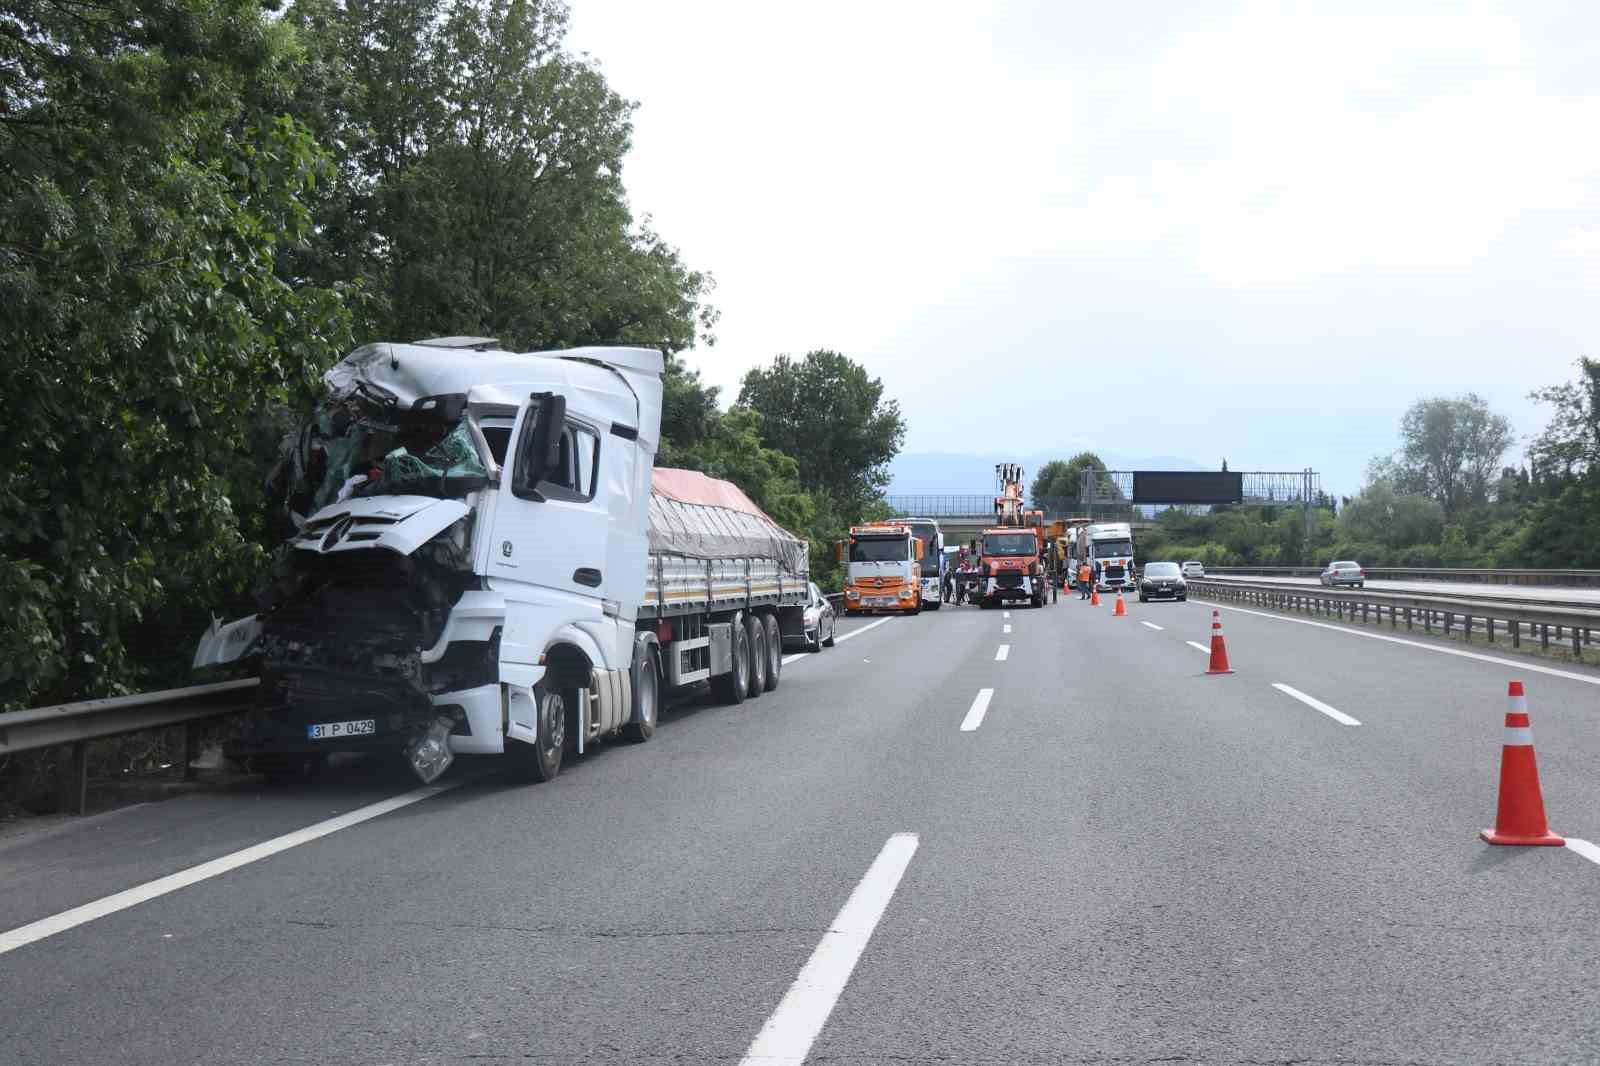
x: 884, y: 570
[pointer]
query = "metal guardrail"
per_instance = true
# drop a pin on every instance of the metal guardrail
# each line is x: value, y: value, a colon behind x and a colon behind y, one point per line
x: 76, y: 724
x: 1536, y: 620
x: 1476, y: 575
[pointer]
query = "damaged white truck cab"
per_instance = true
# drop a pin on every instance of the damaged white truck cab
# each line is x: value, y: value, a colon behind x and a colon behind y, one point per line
x: 485, y: 568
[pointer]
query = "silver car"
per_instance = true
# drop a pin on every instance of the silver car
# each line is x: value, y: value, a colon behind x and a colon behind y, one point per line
x: 1193, y: 568
x: 819, y: 620
x: 1344, y: 572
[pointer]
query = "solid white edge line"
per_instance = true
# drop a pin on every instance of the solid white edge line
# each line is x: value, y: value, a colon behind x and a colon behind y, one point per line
x: 1002, y: 653
x: 979, y: 708
x: 12, y: 939
x: 1520, y: 664
x: 1315, y: 704
x: 1152, y: 625
x: 1197, y: 646
x: 839, y: 638
x: 794, y: 1026
x: 1006, y: 628
x: 1584, y: 848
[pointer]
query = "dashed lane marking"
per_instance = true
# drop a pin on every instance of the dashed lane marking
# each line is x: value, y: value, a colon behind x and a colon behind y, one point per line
x: 1152, y: 625
x: 1584, y: 848
x: 1006, y: 628
x: 979, y: 708
x: 1197, y: 646
x: 1315, y: 704
x: 1001, y: 654
x: 787, y: 1037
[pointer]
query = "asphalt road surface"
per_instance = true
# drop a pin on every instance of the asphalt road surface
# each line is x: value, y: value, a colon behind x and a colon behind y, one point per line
x: 1466, y: 590
x: 920, y: 849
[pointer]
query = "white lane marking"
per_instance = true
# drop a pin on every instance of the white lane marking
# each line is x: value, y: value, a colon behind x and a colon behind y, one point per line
x: 1002, y: 652
x: 1520, y: 664
x: 839, y: 638
x: 1315, y: 704
x: 1197, y: 646
x: 13, y: 939
x: 791, y: 1030
x: 979, y: 708
x: 1005, y: 614
x: 1584, y: 848
x: 1152, y: 625
x: 1006, y: 628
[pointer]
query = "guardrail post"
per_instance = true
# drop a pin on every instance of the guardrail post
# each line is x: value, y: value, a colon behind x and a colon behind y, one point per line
x: 1544, y: 636
x: 1516, y: 634
x: 191, y: 749
x: 1577, y: 648
x: 1408, y: 619
x: 1488, y: 624
x: 1427, y: 621
x: 1466, y: 628
x: 75, y: 778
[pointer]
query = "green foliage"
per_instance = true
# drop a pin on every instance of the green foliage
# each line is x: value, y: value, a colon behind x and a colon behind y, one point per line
x: 147, y: 197
x: 1063, y: 480
x: 1450, y: 450
x: 826, y: 412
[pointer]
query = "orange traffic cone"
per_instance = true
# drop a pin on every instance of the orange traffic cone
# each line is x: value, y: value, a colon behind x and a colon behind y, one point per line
x: 1121, y: 610
x: 1094, y: 595
x: 1520, y: 817
x: 1219, y: 648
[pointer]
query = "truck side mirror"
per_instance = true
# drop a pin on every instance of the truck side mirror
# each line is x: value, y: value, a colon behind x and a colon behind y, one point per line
x: 838, y: 551
x: 541, y: 451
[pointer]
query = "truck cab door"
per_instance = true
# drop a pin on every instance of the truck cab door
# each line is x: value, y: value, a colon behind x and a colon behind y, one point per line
x: 548, y: 545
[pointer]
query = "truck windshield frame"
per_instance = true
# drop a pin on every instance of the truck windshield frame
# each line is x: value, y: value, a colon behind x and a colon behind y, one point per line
x: 880, y: 549
x: 1010, y: 545
x: 1112, y: 548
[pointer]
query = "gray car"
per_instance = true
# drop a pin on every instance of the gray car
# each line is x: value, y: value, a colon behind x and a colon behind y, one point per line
x: 819, y: 620
x: 1344, y: 572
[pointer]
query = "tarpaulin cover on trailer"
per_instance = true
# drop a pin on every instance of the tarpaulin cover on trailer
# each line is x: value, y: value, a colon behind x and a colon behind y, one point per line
x: 704, y: 518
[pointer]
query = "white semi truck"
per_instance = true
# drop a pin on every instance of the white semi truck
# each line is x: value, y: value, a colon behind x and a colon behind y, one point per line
x: 1111, y: 545
x: 484, y: 560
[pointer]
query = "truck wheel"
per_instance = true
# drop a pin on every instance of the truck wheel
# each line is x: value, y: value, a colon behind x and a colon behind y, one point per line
x: 733, y: 686
x: 542, y: 761
x: 647, y: 701
x: 774, y: 651
x: 758, y: 655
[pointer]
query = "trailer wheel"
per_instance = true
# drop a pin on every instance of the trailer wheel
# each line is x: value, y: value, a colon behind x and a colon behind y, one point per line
x: 733, y: 686
x: 758, y: 654
x: 541, y: 761
x: 647, y: 697
x: 774, y: 652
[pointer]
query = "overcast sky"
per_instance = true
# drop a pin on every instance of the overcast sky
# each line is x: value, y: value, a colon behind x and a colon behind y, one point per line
x: 1252, y: 231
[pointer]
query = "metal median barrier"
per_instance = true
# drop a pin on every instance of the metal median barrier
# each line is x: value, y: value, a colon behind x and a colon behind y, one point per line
x: 1474, y: 575
x: 75, y: 724
x: 1536, y: 621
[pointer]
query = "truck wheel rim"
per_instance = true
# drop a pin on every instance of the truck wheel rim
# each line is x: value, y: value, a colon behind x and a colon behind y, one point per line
x: 555, y: 723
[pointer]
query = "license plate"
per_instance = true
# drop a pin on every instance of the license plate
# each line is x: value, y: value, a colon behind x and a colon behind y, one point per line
x: 334, y: 730
x: 881, y: 601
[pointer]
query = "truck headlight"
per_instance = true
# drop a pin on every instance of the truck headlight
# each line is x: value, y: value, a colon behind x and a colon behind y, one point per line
x: 852, y: 594
x: 906, y: 594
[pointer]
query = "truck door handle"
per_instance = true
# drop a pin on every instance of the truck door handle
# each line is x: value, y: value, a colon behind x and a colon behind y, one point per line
x: 587, y: 575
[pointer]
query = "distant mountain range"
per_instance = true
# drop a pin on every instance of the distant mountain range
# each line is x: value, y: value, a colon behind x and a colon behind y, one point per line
x: 926, y: 473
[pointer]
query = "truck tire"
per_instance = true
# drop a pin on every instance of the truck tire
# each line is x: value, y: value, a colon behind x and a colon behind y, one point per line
x: 542, y: 761
x: 734, y: 686
x: 774, y: 651
x: 758, y: 655
x: 647, y: 701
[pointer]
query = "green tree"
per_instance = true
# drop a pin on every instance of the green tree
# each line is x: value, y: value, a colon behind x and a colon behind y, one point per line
x: 145, y: 197
x: 830, y: 415
x: 1450, y: 451
x: 1063, y: 479
x: 1570, y: 445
